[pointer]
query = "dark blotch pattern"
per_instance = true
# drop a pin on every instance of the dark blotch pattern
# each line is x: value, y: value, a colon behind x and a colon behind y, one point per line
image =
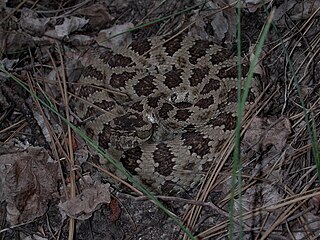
x: 169, y: 186
x: 141, y: 47
x: 163, y: 156
x: 129, y: 121
x: 160, y: 58
x: 153, y: 101
x: 87, y: 90
x: 181, y: 61
x: 104, y: 137
x: 232, y: 96
x: 220, y: 56
x: 245, y: 69
x: 117, y: 60
x: 182, y: 114
x: 232, y: 71
x: 173, y: 78
x: 183, y: 104
x: 212, y: 85
x: 138, y: 106
x: 205, y: 102
x: 145, y: 86
x: 198, y: 50
x: 90, y: 71
x: 91, y: 113
x: 197, y: 75
x: 208, y: 165
x: 173, y: 45
x: 189, y: 167
x: 90, y: 133
x: 130, y: 159
x: 105, y: 105
x: 199, y: 145
x: 98, y: 107
x: 225, y: 119
x: 164, y: 110
x: 119, y: 80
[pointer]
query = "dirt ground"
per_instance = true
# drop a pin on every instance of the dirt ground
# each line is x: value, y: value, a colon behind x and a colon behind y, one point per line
x: 52, y: 187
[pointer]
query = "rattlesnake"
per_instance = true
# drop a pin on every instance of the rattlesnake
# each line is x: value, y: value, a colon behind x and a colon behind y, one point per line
x: 163, y: 108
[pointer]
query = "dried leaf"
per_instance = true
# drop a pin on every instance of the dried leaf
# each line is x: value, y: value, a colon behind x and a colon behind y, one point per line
x: 283, y: 9
x: 28, y: 181
x: 260, y: 195
x: 264, y: 132
x: 304, y: 9
x: 253, y: 5
x: 97, y: 14
x: 70, y: 25
x: 311, y: 222
x: 15, y: 41
x: 30, y: 22
x: 198, y: 28
x: 106, y: 38
x: 82, y: 206
x: 222, y: 20
x: 220, y: 26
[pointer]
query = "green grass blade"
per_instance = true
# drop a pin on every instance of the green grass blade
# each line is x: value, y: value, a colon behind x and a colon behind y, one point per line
x: 240, y: 111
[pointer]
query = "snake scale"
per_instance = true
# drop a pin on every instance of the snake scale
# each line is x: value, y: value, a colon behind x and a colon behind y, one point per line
x: 163, y: 107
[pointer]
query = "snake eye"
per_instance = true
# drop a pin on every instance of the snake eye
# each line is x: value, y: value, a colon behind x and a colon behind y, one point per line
x: 173, y: 98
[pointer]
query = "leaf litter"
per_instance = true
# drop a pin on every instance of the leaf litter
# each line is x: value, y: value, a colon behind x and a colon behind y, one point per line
x: 277, y: 163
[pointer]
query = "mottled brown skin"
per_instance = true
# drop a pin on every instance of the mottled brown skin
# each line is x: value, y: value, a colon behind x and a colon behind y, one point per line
x: 165, y: 107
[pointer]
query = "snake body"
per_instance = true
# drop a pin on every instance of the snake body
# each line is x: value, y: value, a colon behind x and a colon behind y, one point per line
x: 163, y: 108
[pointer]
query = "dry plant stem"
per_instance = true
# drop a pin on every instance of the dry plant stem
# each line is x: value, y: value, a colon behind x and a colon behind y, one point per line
x: 229, y: 5
x: 302, y: 28
x: 291, y: 209
x: 194, y: 213
x: 72, y: 9
x: 23, y: 121
x: 188, y: 201
x: 269, y: 208
x: 91, y: 104
x: 15, y: 132
x: 49, y: 227
x: 57, y: 145
x: 212, y: 175
x: 51, y: 132
x: 150, y: 12
x: 262, y: 226
x: 291, y: 200
x: 15, y: 226
x: 209, y: 180
x: 64, y: 94
x: 116, y: 178
x: 299, y: 214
